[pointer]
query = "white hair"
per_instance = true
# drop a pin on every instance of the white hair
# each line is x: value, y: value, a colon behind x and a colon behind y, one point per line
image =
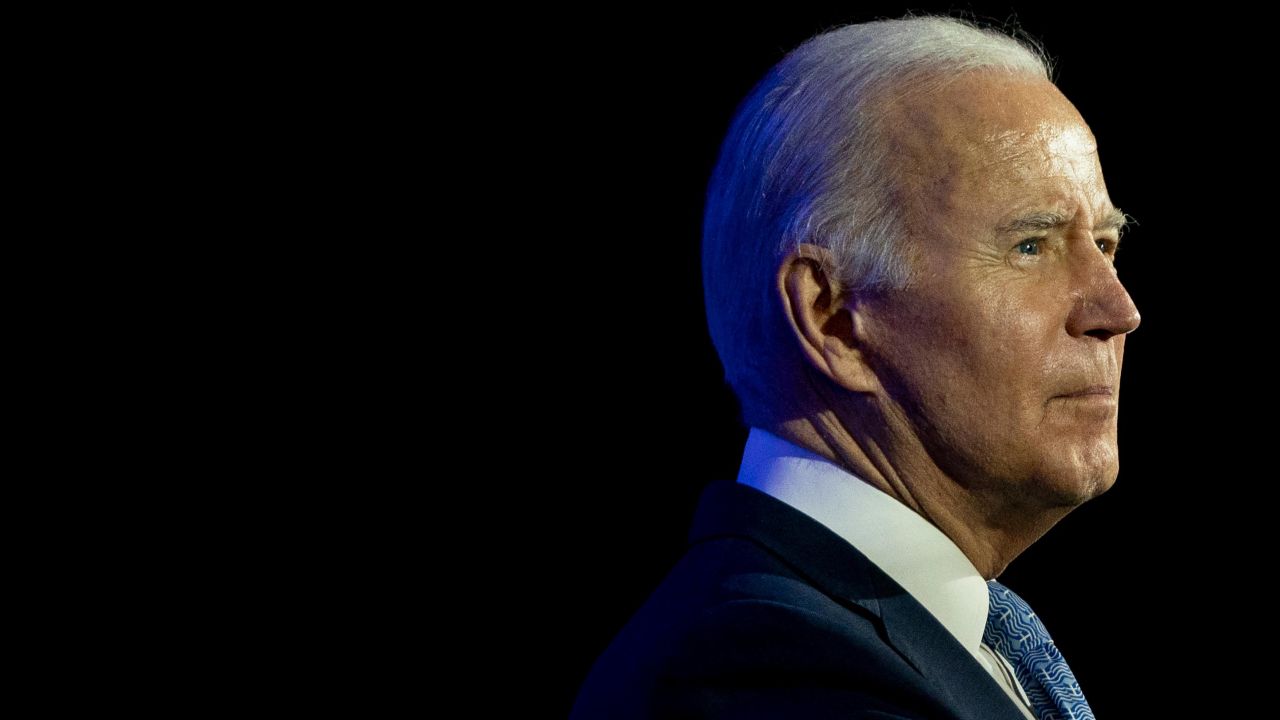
x: 805, y: 160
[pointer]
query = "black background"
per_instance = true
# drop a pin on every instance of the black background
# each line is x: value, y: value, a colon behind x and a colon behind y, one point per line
x: 610, y: 127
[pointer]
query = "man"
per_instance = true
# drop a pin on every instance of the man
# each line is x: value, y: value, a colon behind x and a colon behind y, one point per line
x: 909, y: 271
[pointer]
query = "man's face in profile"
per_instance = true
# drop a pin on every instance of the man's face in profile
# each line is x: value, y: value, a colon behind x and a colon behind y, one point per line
x: 1005, y: 354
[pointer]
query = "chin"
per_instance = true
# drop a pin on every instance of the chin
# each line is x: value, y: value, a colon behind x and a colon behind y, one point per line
x: 1099, y: 484
x: 1078, y: 485
x: 1086, y: 470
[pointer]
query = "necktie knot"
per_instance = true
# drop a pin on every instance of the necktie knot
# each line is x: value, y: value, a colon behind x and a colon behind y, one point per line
x: 1012, y: 627
x: 1014, y: 631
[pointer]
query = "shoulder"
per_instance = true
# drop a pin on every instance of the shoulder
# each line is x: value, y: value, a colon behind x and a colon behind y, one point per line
x: 734, y: 631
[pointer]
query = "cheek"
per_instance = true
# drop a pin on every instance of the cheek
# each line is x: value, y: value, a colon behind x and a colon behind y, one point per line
x: 1012, y: 346
x: 1003, y: 340
x: 971, y: 356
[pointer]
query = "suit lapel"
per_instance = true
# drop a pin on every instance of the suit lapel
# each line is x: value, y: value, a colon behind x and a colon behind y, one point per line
x: 935, y: 652
x: 829, y: 562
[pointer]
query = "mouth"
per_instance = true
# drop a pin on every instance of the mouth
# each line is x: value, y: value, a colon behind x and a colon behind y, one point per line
x: 1091, y: 392
x: 1097, y: 401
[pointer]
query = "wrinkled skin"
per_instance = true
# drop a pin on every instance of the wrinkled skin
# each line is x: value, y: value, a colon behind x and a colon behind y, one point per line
x: 1001, y: 326
x: 985, y: 395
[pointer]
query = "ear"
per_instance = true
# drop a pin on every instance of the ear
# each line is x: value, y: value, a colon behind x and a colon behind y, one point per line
x: 824, y: 317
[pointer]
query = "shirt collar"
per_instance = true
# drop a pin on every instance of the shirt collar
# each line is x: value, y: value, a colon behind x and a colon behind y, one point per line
x: 908, y: 548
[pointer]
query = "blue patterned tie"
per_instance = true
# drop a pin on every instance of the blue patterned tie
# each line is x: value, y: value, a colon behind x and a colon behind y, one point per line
x: 1015, y: 632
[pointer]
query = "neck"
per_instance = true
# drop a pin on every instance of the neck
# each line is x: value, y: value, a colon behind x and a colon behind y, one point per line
x: 990, y: 527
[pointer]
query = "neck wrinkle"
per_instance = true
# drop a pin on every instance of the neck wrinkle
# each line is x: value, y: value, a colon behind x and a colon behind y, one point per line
x: 877, y: 443
x: 825, y: 435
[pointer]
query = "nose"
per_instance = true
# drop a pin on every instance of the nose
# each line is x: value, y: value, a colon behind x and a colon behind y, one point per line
x: 1102, y: 307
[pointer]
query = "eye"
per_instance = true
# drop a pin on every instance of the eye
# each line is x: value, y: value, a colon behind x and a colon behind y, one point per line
x: 1107, y: 246
x: 1030, y: 246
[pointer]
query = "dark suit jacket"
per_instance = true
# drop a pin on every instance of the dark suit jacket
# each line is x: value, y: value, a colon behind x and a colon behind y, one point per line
x: 769, y: 614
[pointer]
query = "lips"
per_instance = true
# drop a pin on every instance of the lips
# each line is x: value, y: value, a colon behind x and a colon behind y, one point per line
x: 1089, y: 390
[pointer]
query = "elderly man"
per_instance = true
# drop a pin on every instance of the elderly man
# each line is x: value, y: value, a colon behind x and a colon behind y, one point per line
x: 909, y: 269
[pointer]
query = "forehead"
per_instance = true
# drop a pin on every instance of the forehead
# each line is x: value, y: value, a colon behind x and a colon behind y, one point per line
x: 987, y: 141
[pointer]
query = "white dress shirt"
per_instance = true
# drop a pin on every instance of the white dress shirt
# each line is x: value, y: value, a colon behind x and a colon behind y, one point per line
x: 908, y: 548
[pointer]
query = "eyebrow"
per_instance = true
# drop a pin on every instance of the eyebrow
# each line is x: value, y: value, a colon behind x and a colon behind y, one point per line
x: 1114, y: 219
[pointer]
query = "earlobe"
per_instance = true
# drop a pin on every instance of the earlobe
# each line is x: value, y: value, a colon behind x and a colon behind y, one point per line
x: 823, y: 318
